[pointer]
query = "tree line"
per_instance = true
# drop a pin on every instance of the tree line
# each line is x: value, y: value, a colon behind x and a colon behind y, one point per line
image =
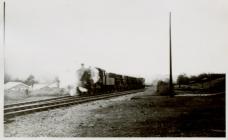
x: 183, y: 79
x: 30, y: 81
x: 216, y: 81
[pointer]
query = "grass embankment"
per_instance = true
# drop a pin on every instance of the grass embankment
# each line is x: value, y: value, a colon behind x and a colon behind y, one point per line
x: 161, y: 116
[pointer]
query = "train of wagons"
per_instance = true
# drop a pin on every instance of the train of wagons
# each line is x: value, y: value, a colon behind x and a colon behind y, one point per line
x: 108, y: 82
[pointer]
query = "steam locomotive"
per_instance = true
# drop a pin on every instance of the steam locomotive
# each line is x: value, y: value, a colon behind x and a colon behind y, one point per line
x: 98, y: 81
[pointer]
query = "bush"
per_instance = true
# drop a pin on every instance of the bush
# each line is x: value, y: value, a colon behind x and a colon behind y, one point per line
x: 162, y: 88
x: 218, y: 85
x: 182, y: 80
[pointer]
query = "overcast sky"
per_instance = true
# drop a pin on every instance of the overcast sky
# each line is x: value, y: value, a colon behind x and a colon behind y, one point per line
x: 44, y: 37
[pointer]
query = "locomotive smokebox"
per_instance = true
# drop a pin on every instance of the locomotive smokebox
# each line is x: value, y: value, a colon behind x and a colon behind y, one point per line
x: 88, y: 77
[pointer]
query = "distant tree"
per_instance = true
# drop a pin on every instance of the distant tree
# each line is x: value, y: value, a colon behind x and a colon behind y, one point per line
x: 30, y: 80
x: 182, y: 79
x: 213, y: 76
x: 202, y: 78
x: 18, y: 80
x: 193, y: 79
x: 57, y: 80
x: 7, y: 78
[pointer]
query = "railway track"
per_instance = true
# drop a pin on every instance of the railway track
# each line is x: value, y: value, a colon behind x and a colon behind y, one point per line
x: 48, y: 104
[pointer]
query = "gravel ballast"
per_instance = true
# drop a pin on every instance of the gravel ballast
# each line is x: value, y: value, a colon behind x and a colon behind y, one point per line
x: 135, y: 115
x: 62, y: 122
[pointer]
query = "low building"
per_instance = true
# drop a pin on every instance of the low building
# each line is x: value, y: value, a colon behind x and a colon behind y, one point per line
x: 45, y: 85
x: 16, y: 89
x: 46, y: 89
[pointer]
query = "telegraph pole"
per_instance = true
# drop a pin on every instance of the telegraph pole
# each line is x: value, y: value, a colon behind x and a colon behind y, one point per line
x: 170, y: 59
x: 4, y: 21
x: 4, y: 28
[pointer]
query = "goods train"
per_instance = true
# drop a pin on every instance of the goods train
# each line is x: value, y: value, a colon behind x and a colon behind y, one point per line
x: 98, y: 81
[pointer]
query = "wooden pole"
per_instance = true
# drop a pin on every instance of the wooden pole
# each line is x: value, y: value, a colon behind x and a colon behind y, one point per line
x: 4, y: 28
x: 4, y: 19
x: 170, y: 59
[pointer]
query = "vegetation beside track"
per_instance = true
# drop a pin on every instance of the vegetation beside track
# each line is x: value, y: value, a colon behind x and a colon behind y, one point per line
x: 201, y: 84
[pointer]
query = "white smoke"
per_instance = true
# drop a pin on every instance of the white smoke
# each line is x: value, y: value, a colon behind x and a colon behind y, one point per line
x: 95, y: 74
x: 69, y: 81
x: 70, y: 78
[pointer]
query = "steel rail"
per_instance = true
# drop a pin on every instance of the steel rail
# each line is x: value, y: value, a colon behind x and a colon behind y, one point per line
x: 36, y: 101
x: 48, y: 102
x: 22, y: 110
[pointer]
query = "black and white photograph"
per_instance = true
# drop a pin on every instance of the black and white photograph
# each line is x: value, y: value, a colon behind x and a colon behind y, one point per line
x: 113, y: 68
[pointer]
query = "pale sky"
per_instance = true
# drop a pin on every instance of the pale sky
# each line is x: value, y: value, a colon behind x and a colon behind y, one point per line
x: 45, y: 37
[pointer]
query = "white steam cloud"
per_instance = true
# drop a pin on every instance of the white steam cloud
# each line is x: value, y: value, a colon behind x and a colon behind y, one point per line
x: 70, y: 78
